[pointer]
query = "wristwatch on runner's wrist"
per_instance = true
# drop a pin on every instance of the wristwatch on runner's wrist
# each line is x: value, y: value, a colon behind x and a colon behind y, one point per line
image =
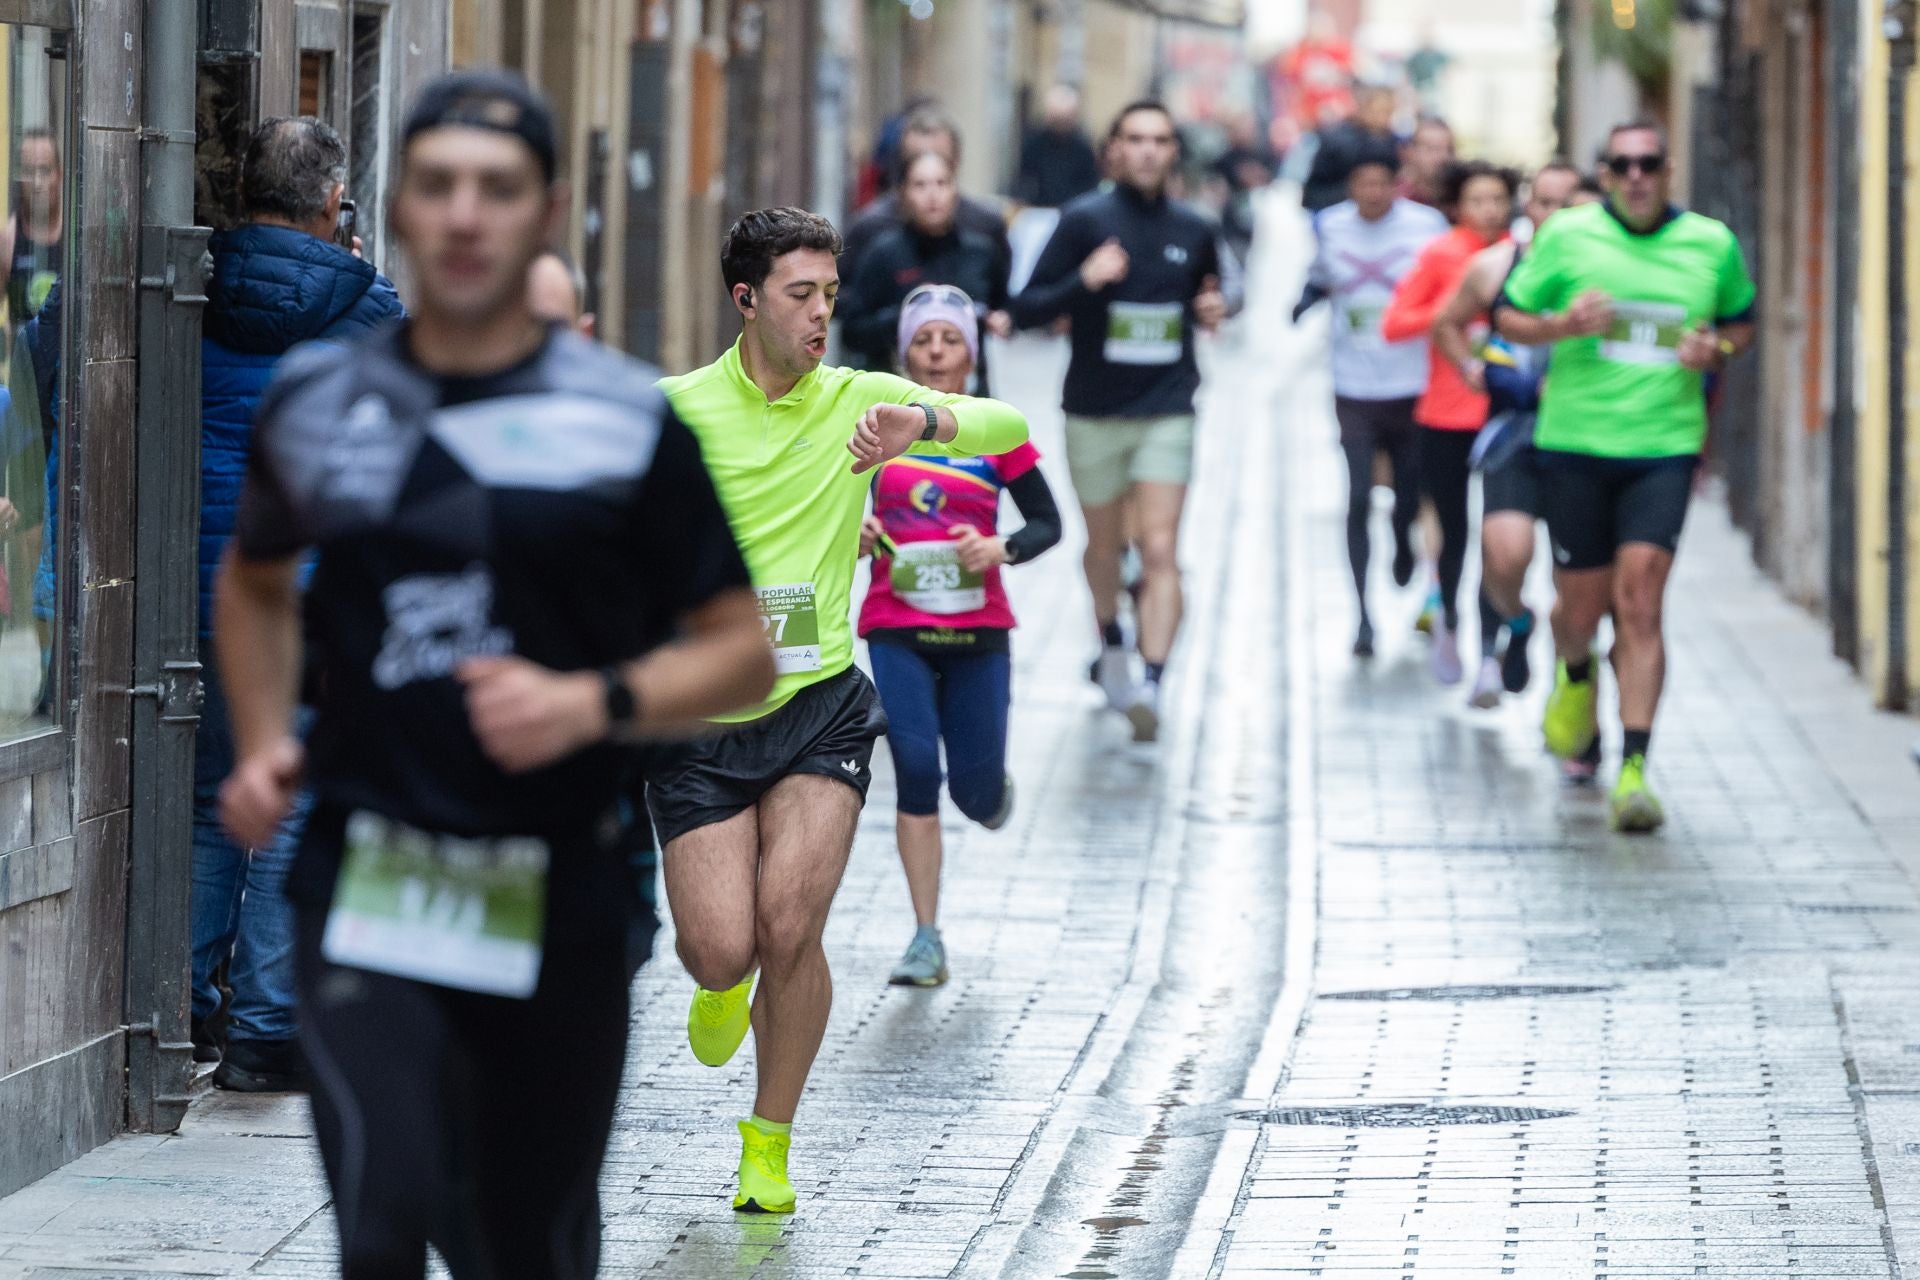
x: 623, y: 709
x: 933, y: 420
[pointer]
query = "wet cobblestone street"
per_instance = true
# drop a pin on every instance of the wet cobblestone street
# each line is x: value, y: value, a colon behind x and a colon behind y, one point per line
x: 1339, y: 979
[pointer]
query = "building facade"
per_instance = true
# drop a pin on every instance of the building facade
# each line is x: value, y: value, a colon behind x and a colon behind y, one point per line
x: 1795, y: 121
x: 121, y: 121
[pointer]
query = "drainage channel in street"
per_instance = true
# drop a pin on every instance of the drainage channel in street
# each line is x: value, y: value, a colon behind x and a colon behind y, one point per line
x: 1121, y: 1199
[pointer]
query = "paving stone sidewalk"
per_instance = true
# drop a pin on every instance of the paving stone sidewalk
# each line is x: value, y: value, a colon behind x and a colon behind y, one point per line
x: 1532, y: 1048
x: 935, y: 1121
x: 1338, y: 980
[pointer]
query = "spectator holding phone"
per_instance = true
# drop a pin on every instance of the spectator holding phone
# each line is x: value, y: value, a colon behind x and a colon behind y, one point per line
x: 288, y: 274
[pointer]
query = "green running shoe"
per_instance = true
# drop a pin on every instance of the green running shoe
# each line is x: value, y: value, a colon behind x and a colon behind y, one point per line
x: 764, y: 1187
x: 1429, y: 612
x: 1636, y: 810
x: 1572, y: 721
x: 718, y: 1020
x: 925, y: 964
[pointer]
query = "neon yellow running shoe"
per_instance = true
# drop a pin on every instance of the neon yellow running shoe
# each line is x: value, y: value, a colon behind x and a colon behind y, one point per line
x: 1572, y: 721
x: 718, y: 1021
x: 764, y: 1187
x: 1636, y: 810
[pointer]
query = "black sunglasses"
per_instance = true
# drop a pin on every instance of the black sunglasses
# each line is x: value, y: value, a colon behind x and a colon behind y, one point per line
x: 1624, y: 165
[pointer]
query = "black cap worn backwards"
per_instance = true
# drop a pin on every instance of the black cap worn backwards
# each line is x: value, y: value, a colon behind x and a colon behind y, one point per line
x: 487, y: 98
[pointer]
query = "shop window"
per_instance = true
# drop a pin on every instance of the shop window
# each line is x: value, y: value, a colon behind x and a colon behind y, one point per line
x: 35, y: 235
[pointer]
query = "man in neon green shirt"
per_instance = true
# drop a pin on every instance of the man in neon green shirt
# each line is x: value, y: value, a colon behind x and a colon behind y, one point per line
x: 1640, y: 301
x: 757, y: 820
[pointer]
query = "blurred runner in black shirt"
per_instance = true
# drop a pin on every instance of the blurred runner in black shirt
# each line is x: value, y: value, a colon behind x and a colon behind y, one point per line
x: 512, y: 529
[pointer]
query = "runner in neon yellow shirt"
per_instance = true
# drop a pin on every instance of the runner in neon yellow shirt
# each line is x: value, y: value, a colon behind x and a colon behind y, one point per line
x: 795, y: 500
x: 757, y: 821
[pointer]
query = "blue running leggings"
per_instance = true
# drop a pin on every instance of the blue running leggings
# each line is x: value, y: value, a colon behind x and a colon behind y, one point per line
x: 960, y: 698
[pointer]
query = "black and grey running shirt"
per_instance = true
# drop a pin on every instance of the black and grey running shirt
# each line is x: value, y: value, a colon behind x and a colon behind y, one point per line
x: 555, y: 510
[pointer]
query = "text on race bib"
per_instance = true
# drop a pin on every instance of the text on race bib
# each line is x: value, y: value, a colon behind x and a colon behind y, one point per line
x: 928, y: 576
x: 792, y: 619
x: 468, y: 914
x: 1362, y: 319
x: 1145, y: 332
x: 1644, y: 333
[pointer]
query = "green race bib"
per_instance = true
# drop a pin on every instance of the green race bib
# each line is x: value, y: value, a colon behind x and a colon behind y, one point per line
x: 1144, y: 332
x: 1362, y: 319
x: 469, y: 914
x: 1645, y: 333
x: 928, y: 576
x: 792, y: 619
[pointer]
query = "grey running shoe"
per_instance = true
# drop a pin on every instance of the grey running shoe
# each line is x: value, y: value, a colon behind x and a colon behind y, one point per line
x: 1113, y: 672
x: 1143, y: 711
x: 925, y: 964
x: 1004, y: 814
x: 1446, y: 655
x: 1584, y: 768
x: 1486, y: 686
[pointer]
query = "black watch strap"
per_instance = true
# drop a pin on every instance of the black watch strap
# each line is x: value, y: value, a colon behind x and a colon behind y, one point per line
x: 622, y: 707
x: 933, y: 421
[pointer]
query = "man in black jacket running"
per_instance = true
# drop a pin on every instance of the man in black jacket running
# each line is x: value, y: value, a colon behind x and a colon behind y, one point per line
x: 1136, y: 273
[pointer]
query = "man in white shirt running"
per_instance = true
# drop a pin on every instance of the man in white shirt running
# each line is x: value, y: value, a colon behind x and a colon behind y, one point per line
x: 1366, y: 243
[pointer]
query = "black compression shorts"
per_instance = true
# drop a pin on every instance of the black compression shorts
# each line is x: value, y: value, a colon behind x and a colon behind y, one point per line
x: 827, y: 729
x: 1375, y: 424
x: 1513, y: 484
x: 1510, y: 471
x: 1594, y: 506
x: 427, y: 1104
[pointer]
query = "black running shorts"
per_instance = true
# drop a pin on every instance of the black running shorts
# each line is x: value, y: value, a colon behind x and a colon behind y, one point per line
x: 1375, y: 424
x: 1594, y: 506
x: 1510, y: 472
x: 827, y: 729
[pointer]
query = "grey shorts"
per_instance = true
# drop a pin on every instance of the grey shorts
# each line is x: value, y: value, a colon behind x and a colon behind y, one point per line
x: 1108, y: 456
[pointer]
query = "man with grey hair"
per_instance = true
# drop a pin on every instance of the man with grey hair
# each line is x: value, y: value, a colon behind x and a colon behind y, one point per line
x: 280, y: 278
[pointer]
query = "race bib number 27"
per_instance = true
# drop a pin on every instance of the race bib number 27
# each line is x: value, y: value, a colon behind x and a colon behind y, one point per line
x: 792, y: 619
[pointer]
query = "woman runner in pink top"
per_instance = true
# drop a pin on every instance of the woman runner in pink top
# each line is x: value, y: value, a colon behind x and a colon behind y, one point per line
x: 936, y: 618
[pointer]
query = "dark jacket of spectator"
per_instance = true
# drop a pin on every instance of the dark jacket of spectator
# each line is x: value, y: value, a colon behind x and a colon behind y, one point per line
x: 1341, y: 147
x: 884, y: 214
x: 900, y: 260
x: 1055, y: 168
x: 272, y: 288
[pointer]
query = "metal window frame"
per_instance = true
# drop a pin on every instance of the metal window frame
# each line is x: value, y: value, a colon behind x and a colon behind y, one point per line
x: 57, y: 14
x: 385, y: 124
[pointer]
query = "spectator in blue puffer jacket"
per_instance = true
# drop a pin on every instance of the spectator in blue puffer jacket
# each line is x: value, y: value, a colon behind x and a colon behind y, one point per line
x: 278, y: 280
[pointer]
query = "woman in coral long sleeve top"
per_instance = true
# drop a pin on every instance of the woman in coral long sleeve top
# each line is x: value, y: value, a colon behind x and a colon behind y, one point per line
x: 1479, y: 197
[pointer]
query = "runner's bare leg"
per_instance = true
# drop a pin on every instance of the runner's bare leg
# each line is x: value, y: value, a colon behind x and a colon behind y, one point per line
x: 710, y: 876
x: 1157, y: 507
x: 806, y: 833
